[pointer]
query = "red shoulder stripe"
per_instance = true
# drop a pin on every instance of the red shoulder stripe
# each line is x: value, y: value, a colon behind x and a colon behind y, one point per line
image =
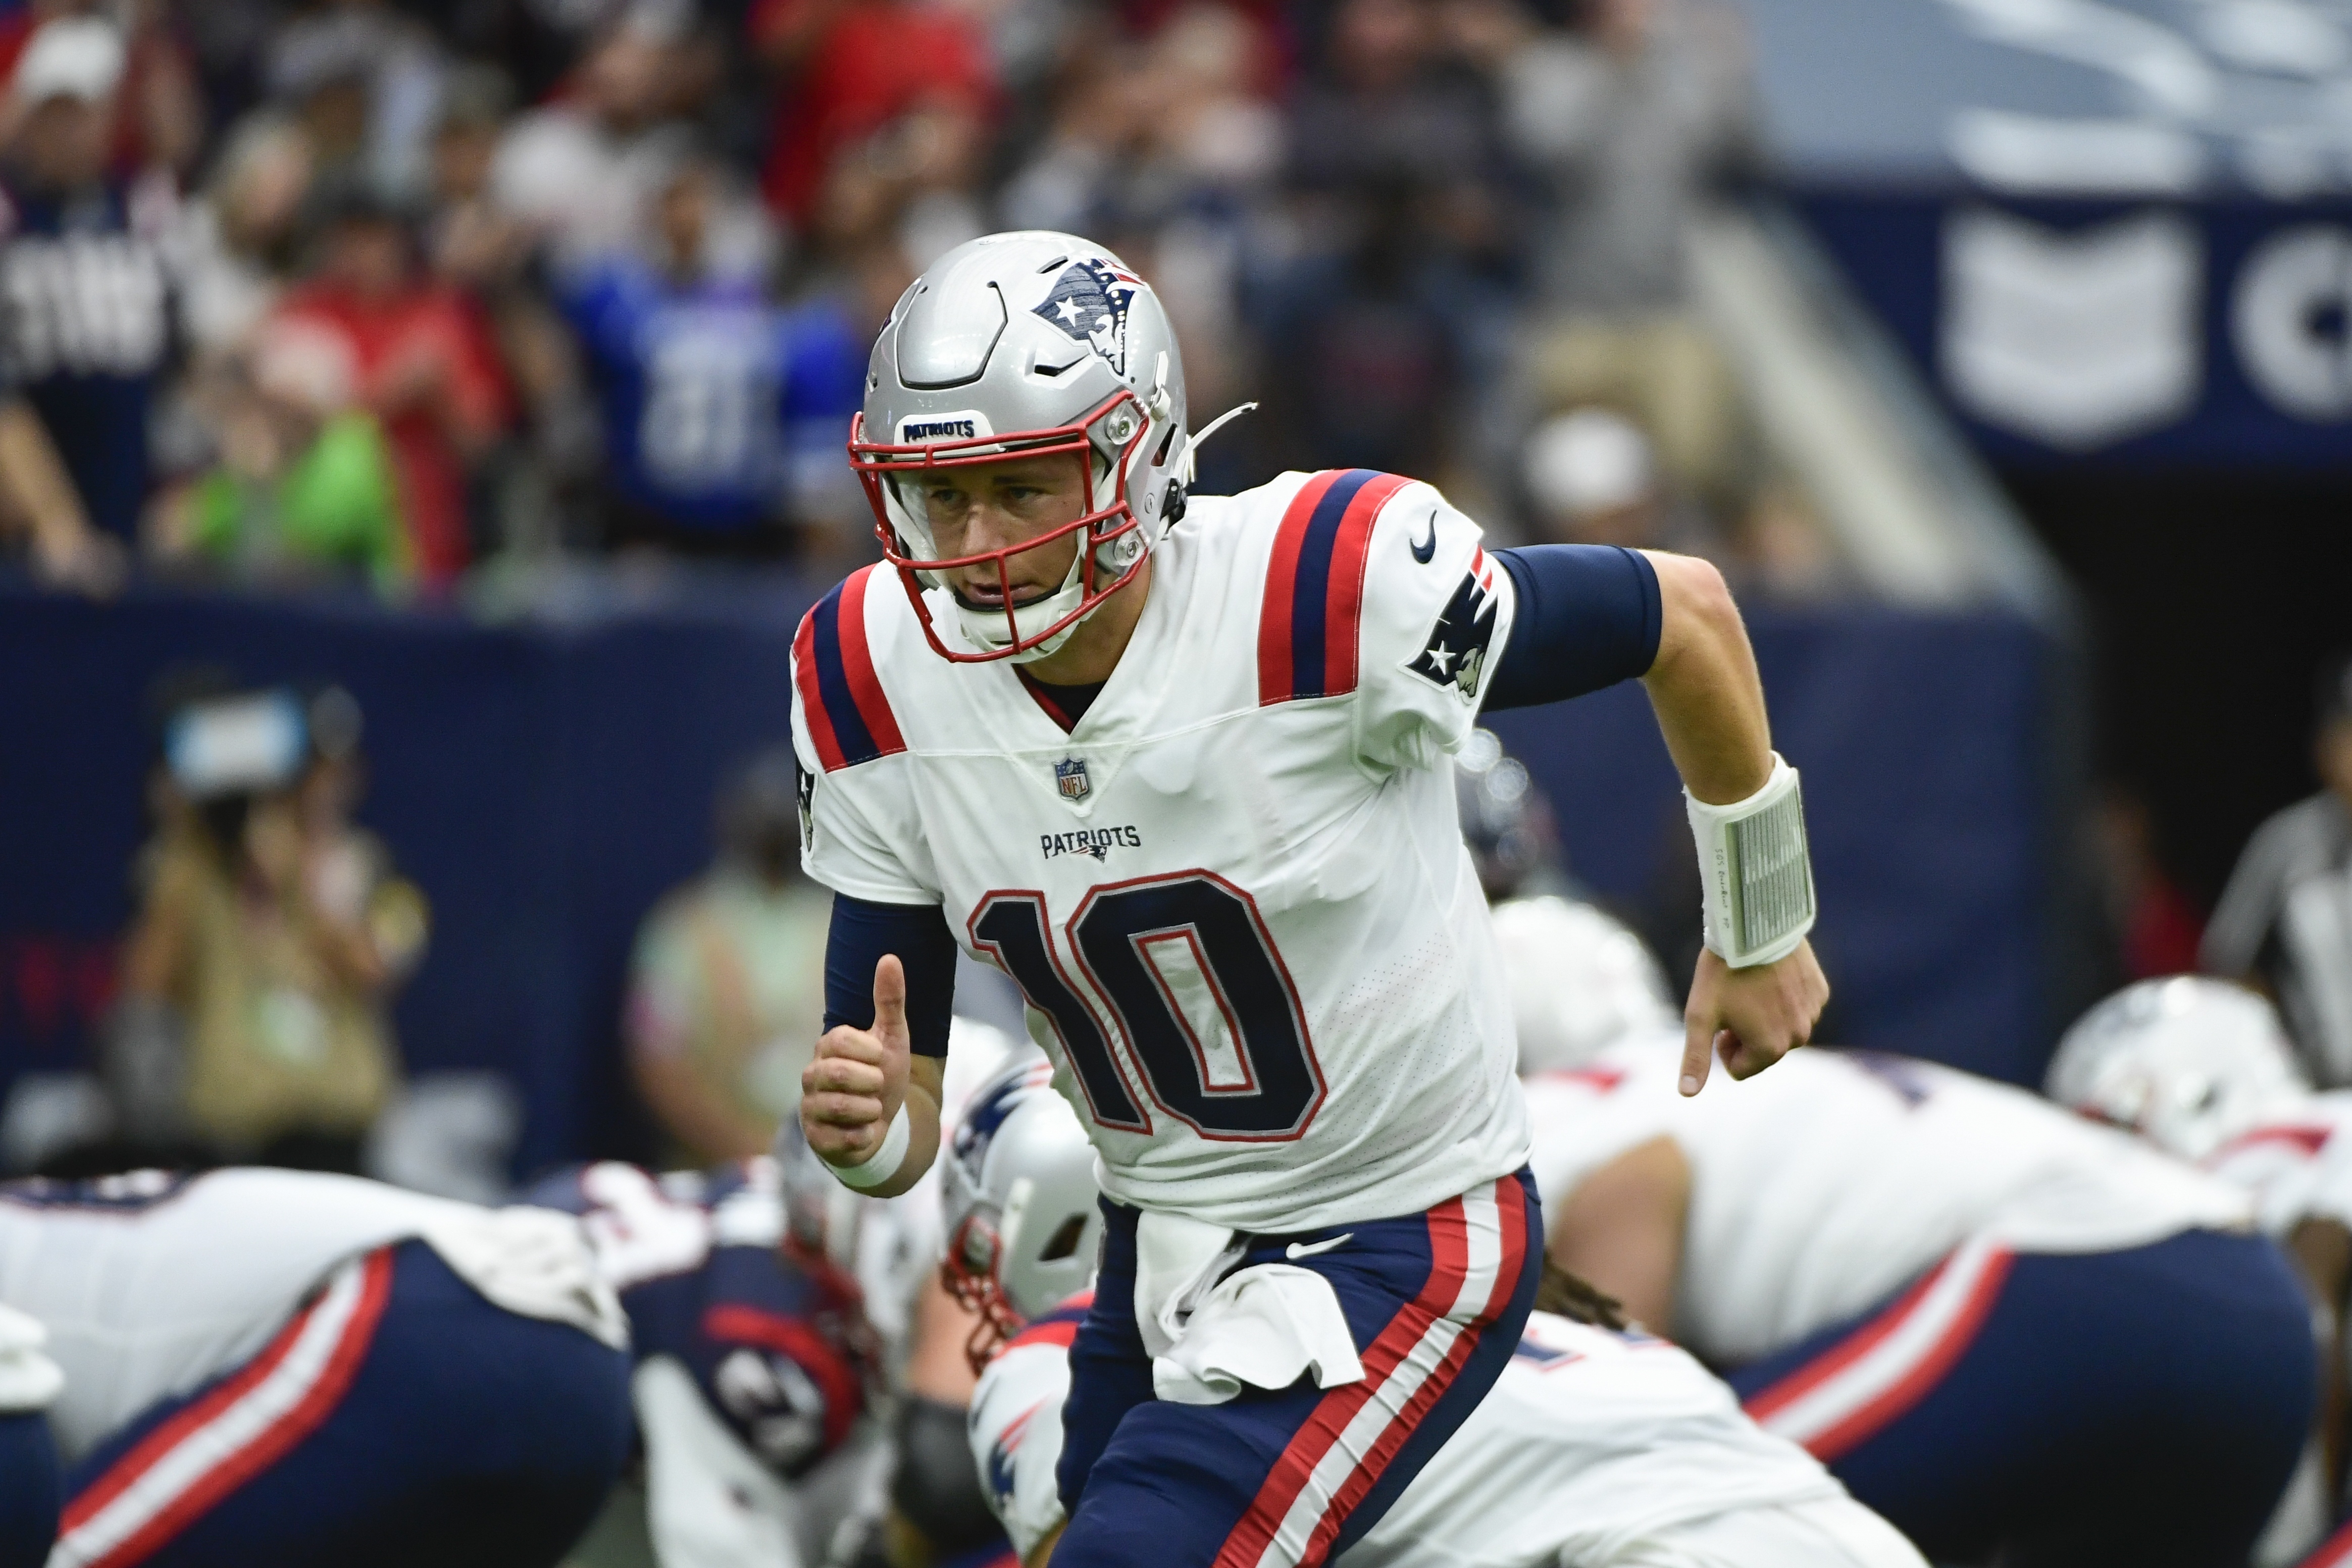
x: 847, y: 712
x: 1273, y: 661
x: 1343, y: 622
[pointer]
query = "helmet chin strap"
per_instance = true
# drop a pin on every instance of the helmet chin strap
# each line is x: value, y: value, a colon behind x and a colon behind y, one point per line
x: 987, y: 628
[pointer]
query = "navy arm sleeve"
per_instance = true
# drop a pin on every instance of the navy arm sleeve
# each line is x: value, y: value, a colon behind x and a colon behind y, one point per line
x: 1587, y: 617
x: 861, y: 932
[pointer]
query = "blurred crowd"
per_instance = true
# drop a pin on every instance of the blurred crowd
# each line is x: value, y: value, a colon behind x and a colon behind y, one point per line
x: 304, y: 291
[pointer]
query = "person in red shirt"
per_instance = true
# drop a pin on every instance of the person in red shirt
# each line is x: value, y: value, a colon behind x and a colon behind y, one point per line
x: 421, y: 359
x: 846, y: 68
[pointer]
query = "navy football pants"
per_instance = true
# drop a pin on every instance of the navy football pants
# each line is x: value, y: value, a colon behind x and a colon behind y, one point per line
x: 399, y: 1419
x: 28, y: 1491
x: 2141, y: 1408
x: 1294, y: 1476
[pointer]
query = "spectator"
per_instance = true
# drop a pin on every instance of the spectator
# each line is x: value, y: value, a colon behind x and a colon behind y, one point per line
x: 582, y: 169
x: 418, y: 357
x: 472, y: 242
x: 2285, y: 922
x: 2154, y: 926
x: 723, y: 415
x: 82, y: 268
x: 1593, y: 480
x: 304, y: 491
x: 1387, y: 109
x: 847, y: 70
x: 1382, y: 341
x: 159, y: 118
x: 1632, y: 124
x: 270, y: 936
x: 1365, y: 347
x: 727, y: 995
x: 236, y: 242
x: 365, y: 83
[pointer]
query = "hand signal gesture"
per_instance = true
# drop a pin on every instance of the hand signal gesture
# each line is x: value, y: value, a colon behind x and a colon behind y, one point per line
x: 857, y: 1081
x: 1752, y: 1018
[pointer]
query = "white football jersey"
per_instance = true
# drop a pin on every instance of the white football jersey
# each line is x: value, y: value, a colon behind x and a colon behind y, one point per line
x: 1592, y: 1450
x: 1822, y: 1185
x: 152, y: 1283
x: 2297, y: 1165
x: 1234, y: 895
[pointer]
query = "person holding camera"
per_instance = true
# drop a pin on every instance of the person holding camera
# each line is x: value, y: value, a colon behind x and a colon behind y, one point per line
x: 269, y: 938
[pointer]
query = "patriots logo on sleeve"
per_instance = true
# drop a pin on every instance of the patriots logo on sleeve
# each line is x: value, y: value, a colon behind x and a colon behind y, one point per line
x: 1090, y: 302
x: 1455, y: 652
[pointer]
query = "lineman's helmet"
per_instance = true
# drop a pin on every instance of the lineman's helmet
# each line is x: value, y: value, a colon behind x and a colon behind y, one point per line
x: 1581, y: 981
x: 1025, y: 344
x: 2188, y: 1063
x: 1022, y: 1216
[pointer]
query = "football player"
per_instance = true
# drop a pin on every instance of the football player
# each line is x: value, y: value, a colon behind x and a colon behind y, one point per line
x: 1600, y: 1446
x: 269, y: 1369
x: 2203, y: 1069
x: 2001, y: 1327
x: 1178, y: 765
x: 766, y: 1302
x: 753, y: 1361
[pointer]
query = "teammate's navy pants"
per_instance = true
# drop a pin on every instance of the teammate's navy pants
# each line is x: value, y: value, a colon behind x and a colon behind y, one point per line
x: 28, y: 1491
x: 2141, y: 1408
x: 1436, y: 1302
x: 399, y: 1419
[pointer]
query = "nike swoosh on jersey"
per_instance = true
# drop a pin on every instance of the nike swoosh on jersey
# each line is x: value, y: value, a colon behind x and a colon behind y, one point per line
x: 1298, y: 1250
x: 1422, y: 549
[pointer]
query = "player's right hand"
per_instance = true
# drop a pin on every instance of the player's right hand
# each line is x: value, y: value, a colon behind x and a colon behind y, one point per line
x: 857, y: 1081
x: 1750, y: 1018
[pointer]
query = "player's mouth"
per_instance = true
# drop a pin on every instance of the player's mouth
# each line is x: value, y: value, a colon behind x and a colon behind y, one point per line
x: 991, y: 597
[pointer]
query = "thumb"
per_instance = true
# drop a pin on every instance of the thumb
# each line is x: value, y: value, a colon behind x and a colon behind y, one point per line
x: 891, y: 997
x: 1699, y: 1052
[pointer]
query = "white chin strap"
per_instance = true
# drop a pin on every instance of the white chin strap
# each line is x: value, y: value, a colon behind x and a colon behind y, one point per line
x: 987, y: 628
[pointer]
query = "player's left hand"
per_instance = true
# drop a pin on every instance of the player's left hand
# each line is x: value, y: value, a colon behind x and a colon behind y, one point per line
x: 1752, y: 1018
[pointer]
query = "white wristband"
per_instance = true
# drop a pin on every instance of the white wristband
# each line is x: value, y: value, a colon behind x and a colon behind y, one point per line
x: 1756, y: 871
x: 883, y: 1163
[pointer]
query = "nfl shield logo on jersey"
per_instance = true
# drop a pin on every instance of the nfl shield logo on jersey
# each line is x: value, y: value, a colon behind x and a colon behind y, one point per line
x: 1070, y: 778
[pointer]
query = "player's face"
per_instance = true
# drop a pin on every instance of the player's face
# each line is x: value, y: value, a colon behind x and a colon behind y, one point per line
x: 998, y: 505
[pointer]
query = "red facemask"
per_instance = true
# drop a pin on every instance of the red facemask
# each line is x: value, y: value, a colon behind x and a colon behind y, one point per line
x: 1104, y: 519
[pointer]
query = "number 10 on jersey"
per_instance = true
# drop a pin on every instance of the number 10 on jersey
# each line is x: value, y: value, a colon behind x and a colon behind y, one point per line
x: 1129, y: 939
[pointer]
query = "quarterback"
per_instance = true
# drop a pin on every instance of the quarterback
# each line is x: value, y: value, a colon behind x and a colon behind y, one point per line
x: 1180, y: 766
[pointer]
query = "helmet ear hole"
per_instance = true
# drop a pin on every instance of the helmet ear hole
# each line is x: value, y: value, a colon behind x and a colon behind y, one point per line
x: 1063, y: 1242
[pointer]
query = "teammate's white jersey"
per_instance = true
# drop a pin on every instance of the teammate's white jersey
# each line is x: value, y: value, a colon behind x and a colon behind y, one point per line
x: 2297, y: 1163
x: 1235, y: 893
x: 150, y: 1284
x: 1820, y: 1185
x: 1594, y: 1450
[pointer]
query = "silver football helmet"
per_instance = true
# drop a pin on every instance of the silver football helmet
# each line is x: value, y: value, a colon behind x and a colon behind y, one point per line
x: 1023, y: 1222
x: 2187, y: 1062
x: 1020, y: 345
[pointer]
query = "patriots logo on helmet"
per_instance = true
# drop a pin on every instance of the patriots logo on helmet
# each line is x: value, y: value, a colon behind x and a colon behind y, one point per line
x: 1090, y: 302
x: 999, y: 1455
